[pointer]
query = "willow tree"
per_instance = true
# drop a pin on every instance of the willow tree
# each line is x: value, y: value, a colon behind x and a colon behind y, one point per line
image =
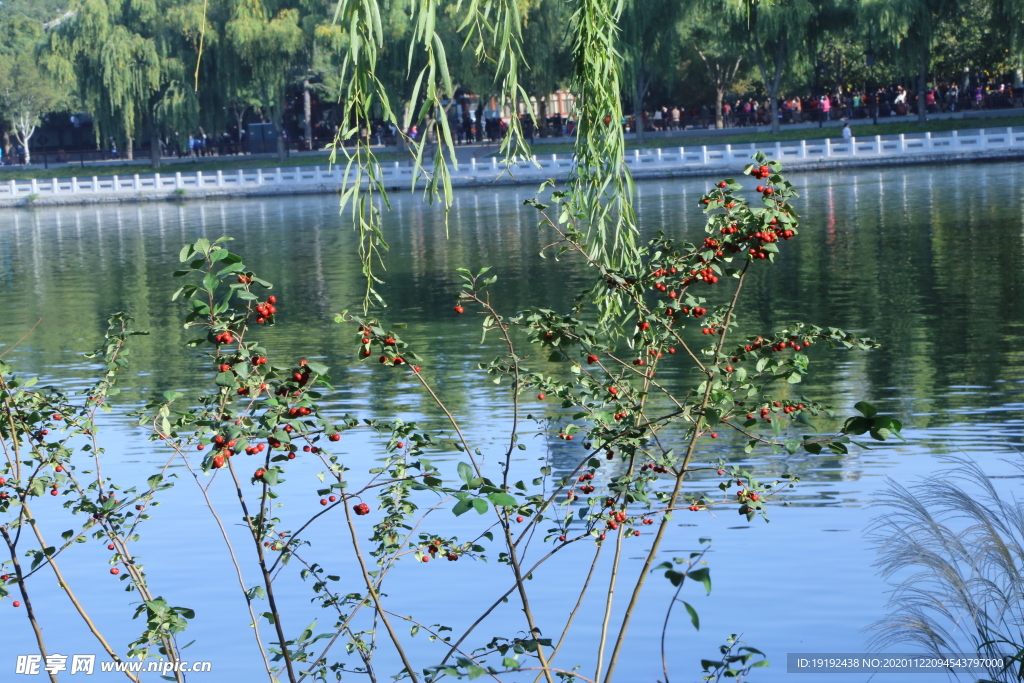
x: 719, y: 40
x: 546, y: 49
x: 265, y: 42
x: 912, y: 27
x: 777, y: 32
x: 132, y: 63
x: 648, y: 49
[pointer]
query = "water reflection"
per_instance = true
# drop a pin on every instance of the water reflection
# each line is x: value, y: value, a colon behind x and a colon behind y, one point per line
x: 927, y: 260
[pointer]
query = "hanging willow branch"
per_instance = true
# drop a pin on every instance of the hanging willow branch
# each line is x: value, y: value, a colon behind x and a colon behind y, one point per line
x: 493, y: 30
x: 602, y: 187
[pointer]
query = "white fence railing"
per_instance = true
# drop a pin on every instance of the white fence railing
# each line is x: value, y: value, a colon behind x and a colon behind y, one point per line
x: 665, y: 159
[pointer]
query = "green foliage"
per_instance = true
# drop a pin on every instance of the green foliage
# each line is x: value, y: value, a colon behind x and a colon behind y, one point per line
x: 264, y: 41
x: 129, y: 62
x: 604, y: 378
x: 737, y: 660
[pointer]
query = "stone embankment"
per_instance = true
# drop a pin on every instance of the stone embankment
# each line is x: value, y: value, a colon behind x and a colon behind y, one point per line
x: 666, y: 162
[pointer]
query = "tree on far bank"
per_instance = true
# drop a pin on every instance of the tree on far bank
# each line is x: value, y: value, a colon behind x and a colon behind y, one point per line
x: 27, y: 94
x: 777, y: 32
x: 132, y: 63
x: 911, y: 26
x: 718, y: 39
x: 648, y: 46
x: 265, y: 41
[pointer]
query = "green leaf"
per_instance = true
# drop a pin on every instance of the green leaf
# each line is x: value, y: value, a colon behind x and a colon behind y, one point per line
x: 480, y: 505
x: 461, y: 507
x: 865, y: 409
x: 465, y: 472
x: 502, y: 499
x: 225, y: 379
x: 703, y: 575
x: 857, y: 425
x: 210, y: 282
x: 675, y: 577
x: 694, y: 619
x: 318, y: 368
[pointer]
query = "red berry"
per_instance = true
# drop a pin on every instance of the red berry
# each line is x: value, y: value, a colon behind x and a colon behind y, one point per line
x: 335, y: 437
x: 323, y: 501
x: 457, y: 309
x: 540, y: 397
x: 426, y: 559
x: 519, y: 519
x: 17, y: 603
x: 110, y: 546
x: 714, y: 435
x: 115, y: 571
x: 271, y: 299
x: 332, y: 498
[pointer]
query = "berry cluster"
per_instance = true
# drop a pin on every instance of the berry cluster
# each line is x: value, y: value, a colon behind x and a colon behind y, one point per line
x: 266, y: 311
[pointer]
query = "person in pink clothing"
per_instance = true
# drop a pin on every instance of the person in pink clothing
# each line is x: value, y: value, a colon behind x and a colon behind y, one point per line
x: 826, y: 108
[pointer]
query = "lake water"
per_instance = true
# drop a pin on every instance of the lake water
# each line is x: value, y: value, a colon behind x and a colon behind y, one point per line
x: 926, y: 260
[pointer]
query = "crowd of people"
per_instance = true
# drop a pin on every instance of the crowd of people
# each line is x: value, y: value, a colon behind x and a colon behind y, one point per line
x: 839, y: 105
